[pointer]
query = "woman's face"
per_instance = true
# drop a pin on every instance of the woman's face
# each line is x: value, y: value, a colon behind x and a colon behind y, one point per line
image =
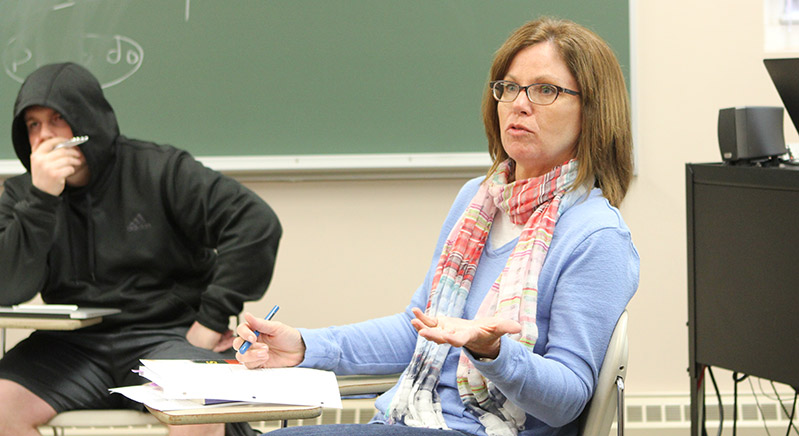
x: 537, y: 137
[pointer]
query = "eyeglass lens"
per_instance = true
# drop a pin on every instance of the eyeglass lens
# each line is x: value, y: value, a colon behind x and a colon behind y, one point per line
x: 540, y: 93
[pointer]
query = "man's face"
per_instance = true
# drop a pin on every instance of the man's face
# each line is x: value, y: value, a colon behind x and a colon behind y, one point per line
x: 44, y: 123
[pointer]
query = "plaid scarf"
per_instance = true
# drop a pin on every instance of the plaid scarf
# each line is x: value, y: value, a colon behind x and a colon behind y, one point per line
x: 537, y: 204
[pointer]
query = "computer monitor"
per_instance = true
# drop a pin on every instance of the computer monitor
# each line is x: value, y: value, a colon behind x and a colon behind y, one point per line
x: 785, y: 75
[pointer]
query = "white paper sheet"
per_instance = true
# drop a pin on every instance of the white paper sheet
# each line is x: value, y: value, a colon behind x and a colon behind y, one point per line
x: 154, y: 397
x: 189, y: 380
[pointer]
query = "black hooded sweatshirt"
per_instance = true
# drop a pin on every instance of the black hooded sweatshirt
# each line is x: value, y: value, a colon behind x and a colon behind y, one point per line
x: 154, y: 233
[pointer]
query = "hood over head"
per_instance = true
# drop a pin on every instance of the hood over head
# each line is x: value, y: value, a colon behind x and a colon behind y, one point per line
x: 75, y: 93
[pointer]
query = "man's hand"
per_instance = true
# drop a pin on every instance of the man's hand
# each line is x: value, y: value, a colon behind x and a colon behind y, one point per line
x: 203, y: 337
x: 480, y: 336
x: 50, y: 168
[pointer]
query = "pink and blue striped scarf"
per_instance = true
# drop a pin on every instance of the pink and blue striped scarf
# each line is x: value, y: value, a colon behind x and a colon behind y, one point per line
x: 536, y: 203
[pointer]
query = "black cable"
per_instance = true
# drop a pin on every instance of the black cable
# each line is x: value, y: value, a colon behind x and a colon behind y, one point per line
x: 776, y: 394
x: 759, y: 408
x: 735, y: 379
x: 734, y: 403
x: 718, y: 396
x: 704, y: 414
x: 701, y: 382
x: 793, y: 409
x: 782, y: 405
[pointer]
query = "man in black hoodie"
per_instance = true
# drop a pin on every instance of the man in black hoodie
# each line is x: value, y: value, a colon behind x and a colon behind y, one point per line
x: 121, y: 223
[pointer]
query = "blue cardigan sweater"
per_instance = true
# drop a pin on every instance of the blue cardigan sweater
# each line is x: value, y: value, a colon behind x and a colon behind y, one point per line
x: 589, y: 275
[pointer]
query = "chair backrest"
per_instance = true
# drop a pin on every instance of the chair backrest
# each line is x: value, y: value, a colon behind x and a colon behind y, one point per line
x: 597, y: 417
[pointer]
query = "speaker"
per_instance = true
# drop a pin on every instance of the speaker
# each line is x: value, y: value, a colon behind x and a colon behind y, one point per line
x: 751, y: 133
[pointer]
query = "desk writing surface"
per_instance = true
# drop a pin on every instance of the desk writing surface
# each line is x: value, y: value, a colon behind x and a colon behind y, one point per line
x: 348, y: 385
x: 46, y: 323
x: 56, y: 311
x: 365, y: 384
x: 281, y: 77
x: 39, y: 317
x: 239, y: 413
x: 51, y: 317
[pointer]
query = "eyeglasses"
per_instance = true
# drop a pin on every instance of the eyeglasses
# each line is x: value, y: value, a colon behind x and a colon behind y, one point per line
x: 538, y: 93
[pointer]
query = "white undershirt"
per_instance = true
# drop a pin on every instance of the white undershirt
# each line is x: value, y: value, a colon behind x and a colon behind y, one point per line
x: 503, y: 230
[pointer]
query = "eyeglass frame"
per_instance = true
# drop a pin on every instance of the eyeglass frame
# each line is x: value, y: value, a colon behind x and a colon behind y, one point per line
x: 560, y: 90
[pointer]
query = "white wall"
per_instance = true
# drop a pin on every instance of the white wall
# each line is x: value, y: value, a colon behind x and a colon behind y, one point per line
x: 692, y: 58
x: 356, y: 250
x: 352, y: 250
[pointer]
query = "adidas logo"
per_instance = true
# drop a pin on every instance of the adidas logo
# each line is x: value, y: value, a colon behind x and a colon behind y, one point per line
x: 138, y: 223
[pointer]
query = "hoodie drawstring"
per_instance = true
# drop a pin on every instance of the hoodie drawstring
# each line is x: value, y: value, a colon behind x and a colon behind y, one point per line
x: 72, y: 254
x: 89, y: 239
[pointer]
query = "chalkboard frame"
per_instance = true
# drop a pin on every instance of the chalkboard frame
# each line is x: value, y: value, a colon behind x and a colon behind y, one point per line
x: 405, y: 136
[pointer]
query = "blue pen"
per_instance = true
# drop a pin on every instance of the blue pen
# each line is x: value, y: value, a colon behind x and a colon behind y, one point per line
x: 246, y: 345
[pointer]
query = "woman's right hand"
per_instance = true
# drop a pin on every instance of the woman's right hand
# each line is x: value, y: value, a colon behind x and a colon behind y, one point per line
x: 277, y: 345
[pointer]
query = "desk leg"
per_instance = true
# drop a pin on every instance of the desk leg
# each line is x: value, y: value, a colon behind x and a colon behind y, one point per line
x: 2, y: 342
x: 697, y: 398
x: 284, y: 423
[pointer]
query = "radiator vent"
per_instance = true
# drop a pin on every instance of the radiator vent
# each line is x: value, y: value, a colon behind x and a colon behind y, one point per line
x: 666, y: 415
x: 355, y: 411
x: 671, y: 414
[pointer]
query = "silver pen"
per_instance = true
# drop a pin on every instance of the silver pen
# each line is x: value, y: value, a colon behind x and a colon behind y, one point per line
x: 77, y: 140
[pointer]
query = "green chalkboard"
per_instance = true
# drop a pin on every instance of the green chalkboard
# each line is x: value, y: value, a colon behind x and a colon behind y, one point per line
x: 286, y: 77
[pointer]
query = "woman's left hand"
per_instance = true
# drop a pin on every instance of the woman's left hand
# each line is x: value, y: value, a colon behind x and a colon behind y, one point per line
x: 480, y: 336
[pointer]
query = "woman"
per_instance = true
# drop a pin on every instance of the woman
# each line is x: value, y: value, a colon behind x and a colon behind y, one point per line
x: 532, y: 269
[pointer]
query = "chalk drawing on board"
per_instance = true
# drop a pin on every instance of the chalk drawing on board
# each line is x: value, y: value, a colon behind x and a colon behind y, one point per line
x: 63, y: 6
x: 112, y: 58
x: 125, y: 52
x: 15, y: 57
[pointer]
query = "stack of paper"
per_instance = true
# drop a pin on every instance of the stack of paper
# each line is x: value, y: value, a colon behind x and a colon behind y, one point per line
x: 186, y: 384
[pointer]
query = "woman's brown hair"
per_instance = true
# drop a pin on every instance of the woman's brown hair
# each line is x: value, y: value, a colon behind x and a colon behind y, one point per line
x: 604, y: 148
